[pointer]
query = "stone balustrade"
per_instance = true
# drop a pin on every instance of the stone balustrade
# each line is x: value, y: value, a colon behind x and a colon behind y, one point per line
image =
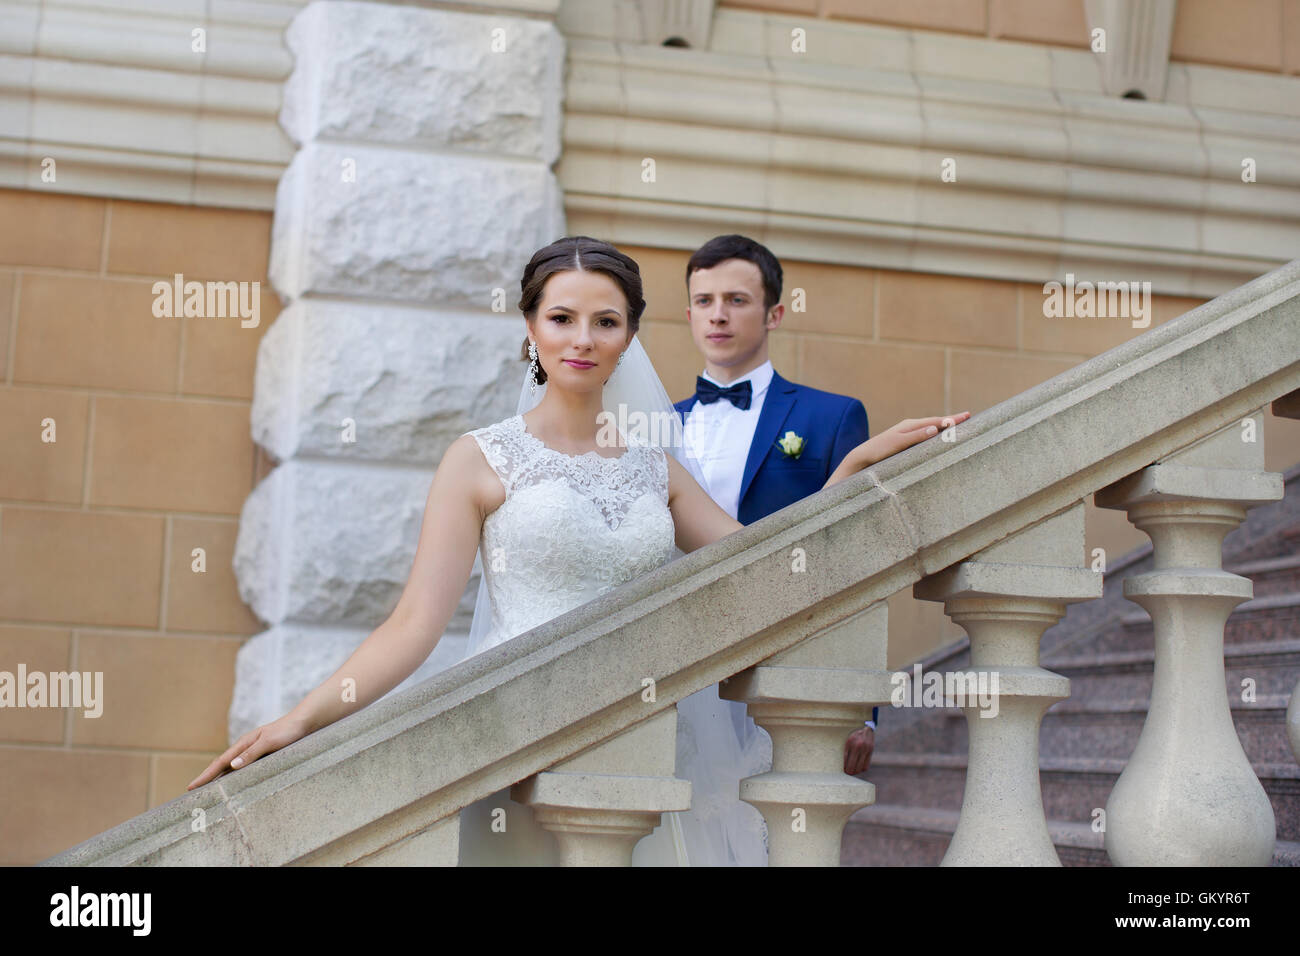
x: 388, y: 784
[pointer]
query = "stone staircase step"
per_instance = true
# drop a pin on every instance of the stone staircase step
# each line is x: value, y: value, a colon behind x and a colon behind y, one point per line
x: 1273, y: 617
x: 1072, y: 787
x: 1274, y: 666
x: 1102, y: 727
x: 1110, y: 728
x: 940, y: 731
x: 888, y: 835
x: 1102, y: 682
x: 897, y: 835
x: 1271, y: 576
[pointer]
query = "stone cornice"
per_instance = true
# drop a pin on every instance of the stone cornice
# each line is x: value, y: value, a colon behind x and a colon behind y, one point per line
x: 833, y: 155
x: 125, y: 108
x: 830, y: 160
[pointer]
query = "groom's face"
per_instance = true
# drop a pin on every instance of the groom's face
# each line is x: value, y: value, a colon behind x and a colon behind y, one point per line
x: 728, y: 321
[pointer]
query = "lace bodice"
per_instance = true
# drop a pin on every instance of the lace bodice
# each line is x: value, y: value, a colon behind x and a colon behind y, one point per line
x: 571, y: 528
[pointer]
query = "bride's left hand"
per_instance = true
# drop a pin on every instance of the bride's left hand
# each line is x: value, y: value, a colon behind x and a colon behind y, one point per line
x: 903, y: 435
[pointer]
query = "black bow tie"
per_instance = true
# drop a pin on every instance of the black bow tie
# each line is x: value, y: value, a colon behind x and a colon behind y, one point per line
x: 708, y: 393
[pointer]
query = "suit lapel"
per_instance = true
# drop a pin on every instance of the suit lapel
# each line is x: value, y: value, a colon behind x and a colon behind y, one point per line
x: 685, y: 412
x: 776, y: 407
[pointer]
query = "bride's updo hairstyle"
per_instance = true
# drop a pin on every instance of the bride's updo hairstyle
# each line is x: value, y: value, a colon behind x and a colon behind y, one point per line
x: 584, y: 254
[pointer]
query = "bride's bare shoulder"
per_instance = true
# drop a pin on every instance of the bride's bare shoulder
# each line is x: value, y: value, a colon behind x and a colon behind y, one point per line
x: 677, y: 475
x: 465, y: 458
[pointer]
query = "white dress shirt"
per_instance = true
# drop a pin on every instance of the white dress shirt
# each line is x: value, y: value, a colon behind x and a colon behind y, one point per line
x: 719, y: 435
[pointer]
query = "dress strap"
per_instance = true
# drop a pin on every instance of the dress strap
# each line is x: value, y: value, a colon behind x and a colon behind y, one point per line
x: 503, y: 450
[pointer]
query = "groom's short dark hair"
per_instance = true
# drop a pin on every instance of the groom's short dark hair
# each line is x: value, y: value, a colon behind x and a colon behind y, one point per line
x: 722, y: 248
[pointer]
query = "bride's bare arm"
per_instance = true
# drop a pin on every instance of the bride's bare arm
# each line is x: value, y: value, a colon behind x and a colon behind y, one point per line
x: 698, y: 520
x: 444, y: 558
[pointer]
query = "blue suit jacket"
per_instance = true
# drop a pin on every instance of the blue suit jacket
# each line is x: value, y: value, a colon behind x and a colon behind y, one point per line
x: 831, y: 426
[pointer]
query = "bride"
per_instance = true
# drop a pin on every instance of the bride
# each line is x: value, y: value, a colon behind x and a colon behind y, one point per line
x: 564, y: 505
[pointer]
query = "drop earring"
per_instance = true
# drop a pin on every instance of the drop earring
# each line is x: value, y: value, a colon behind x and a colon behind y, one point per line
x: 616, y: 365
x: 532, y: 367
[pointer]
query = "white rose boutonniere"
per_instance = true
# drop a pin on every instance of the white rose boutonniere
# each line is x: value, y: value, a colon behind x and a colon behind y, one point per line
x: 791, y: 444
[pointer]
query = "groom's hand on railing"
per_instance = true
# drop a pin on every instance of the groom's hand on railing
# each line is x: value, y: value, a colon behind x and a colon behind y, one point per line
x: 905, y: 434
x: 858, y: 749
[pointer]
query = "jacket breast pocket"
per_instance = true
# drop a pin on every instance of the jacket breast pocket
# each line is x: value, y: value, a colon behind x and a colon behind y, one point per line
x: 781, y: 464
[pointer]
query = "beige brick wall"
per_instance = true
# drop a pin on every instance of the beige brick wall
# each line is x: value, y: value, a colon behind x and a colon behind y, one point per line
x: 1248, y: 34
x: 151, y: 459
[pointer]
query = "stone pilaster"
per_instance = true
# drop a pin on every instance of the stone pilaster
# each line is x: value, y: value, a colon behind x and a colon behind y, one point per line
x: 421, y: 185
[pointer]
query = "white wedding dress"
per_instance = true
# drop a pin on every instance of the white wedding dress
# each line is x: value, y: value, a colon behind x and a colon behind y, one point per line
x: 571, y: 528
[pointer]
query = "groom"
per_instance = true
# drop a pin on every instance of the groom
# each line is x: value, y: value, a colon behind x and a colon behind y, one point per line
x: 739, y: 420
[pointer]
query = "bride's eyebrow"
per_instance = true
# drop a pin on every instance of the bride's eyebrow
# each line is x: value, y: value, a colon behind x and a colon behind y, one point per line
x: 565, y: 308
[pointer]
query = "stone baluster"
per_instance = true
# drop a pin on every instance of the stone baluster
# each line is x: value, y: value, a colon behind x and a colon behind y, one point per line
x: 1005, y: 597
x: 1188, y: 795
x: 809, y: 699
x: 599, y: 803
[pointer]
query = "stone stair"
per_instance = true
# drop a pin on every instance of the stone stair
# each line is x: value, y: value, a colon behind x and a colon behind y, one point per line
x: 1106, y: 648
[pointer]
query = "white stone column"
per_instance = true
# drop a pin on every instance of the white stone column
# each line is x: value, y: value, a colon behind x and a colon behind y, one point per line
x: 1188, y: 795
x: 421, y: 186
x: 602, y: 801
x: 1005, y: 597
x: 809, y: 699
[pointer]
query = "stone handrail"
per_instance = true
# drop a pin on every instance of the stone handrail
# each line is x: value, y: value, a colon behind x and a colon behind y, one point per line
x: 385, y: 785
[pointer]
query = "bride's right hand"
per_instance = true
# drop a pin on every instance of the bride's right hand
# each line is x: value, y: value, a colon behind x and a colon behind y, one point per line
x: 256, y: 743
